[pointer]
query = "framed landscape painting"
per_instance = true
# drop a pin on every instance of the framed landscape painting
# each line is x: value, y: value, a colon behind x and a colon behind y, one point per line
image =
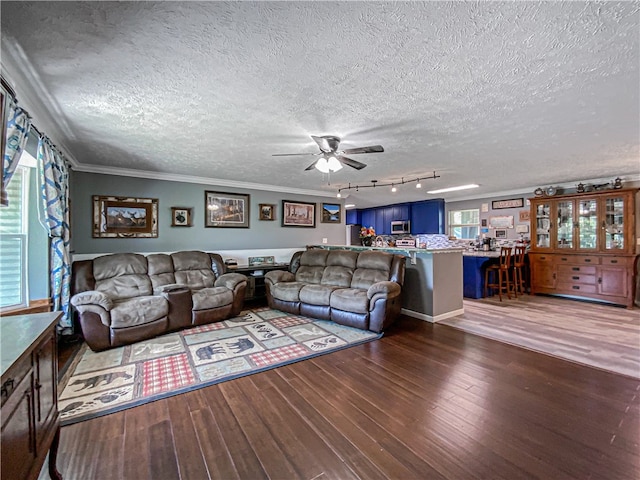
x: 331, y: 213
x: 226, y: 210
x: 115, y: 217
x: 298, y: 214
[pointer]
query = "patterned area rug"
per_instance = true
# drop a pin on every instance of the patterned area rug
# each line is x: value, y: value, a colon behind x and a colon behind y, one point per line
x: 261, y: 339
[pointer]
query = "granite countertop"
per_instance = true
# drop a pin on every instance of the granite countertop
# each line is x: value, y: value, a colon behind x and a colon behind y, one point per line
x: 398, y: 250
x: 481, y: 253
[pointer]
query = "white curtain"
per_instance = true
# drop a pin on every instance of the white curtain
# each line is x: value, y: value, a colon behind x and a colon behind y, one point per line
x: 18, y: 126
x: 54, y: 185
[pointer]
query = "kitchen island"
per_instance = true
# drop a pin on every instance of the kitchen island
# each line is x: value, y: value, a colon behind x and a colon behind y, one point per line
x: 432, y: 288
x: 474, y: 265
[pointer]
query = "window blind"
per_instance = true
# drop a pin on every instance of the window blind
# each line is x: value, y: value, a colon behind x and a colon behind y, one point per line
x: 13, y: 242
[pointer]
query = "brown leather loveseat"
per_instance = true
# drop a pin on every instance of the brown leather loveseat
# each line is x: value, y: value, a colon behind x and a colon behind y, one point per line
x: 356, y: 288
x: 127, y: 297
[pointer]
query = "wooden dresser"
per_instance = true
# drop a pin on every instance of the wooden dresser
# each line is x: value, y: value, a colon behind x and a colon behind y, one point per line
x: 29, y: 406
x: 584, y: 245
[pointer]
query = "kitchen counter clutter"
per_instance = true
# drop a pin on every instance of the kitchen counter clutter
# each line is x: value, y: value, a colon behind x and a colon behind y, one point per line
x: 433, y: 280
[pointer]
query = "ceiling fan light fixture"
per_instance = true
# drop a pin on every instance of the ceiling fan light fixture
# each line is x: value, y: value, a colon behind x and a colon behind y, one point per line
x: 323, y: 165
x: 334, y: 164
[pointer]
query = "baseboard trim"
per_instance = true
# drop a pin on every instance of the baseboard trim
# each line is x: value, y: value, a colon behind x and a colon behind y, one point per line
x: 430, y: 318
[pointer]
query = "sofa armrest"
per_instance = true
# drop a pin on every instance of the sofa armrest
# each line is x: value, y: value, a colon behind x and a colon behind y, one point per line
x: 385, y: 289
x: 276, y: 276
x: 230, y: 280
x: 170, y: 287
x: 92, y: 297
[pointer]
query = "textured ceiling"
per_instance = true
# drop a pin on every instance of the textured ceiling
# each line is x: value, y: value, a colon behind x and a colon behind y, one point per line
x: 509, y: 95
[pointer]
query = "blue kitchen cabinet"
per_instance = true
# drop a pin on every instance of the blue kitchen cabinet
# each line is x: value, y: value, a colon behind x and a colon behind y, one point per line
x: 401, y: 212
x: 427, y: 216
x: 353, y: 217
x: 368, y: 217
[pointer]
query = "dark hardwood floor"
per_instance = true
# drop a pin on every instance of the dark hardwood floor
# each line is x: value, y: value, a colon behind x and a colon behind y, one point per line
x: 424, y: 402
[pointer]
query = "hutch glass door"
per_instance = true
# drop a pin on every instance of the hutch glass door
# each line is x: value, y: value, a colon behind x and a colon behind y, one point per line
x: 543, y: 225
x: 587, y: 224
x: 613, y: 223
x: 564, y: 230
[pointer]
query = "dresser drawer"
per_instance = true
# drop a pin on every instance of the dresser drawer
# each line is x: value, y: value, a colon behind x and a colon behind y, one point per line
x: 13, y: 376
x: 568, y: 270
x: 584, y: 279
x: 578, y: 259
x: 618, y: 261
x: 576, y: 288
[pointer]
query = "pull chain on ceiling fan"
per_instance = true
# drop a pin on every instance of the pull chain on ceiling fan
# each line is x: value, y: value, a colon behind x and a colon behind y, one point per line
x: 331, y: 159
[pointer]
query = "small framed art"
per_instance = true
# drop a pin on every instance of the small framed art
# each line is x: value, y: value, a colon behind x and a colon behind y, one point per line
x: 267, y: 211
x: 331, y: 213
x: 180, y: 217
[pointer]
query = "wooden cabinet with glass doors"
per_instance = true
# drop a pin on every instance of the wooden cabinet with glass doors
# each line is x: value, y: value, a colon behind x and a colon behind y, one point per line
x: 584, y: 245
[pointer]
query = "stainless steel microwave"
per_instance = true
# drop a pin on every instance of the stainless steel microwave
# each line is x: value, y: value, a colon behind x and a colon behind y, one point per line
x: 400, y: 226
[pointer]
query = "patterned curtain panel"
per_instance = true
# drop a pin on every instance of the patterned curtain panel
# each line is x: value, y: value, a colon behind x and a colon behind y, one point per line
x: 18, y: 126
x: 54, y: 185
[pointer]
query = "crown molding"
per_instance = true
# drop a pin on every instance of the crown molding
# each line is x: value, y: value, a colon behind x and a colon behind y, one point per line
x: 568, y: 184
x: 173, y: 177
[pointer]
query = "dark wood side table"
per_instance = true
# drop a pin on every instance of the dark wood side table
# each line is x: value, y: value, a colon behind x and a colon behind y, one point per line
x: 256, y: 289
x: 29, y: 405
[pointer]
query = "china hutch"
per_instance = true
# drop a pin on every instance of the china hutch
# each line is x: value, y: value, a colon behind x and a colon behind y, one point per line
x: 583, y: 245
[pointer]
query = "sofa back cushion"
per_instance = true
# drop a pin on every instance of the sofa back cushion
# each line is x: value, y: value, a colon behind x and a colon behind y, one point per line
x: 160, y: 271
x: 312, y: 265
x: 371, y: 267
x: 340, y: 267
x: 193, y: 269
x: 122, y: 275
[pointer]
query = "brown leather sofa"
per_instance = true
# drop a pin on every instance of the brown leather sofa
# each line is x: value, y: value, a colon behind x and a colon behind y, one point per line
x: 127, y: 297
x: 356, y: 288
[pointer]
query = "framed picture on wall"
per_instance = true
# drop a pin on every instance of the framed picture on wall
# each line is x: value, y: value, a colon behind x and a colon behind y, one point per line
x: 115, y: 217
x: 331, y: 213
x: 180, y: 217
x: 298, y: 214
x: 501, y: 234
x: 226, y: 209
x: 267, y: 211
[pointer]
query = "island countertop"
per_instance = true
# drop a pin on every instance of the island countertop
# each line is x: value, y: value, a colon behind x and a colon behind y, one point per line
x: 406, y: 251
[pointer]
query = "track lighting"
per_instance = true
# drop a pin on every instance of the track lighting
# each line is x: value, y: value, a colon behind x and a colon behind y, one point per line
x: 374, y: 183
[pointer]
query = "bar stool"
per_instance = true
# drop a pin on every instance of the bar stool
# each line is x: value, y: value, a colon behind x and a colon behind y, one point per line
x: 518, y: 267
x: 500, y: 274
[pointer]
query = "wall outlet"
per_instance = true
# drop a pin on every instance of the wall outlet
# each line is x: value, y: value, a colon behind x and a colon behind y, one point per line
x: 324, y: 240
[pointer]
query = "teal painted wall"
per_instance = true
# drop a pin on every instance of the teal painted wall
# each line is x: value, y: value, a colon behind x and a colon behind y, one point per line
x: 261, y: 234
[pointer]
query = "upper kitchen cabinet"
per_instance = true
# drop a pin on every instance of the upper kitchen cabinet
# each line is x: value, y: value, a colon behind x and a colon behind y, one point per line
x: 427, y: 216
x: 353, y: 217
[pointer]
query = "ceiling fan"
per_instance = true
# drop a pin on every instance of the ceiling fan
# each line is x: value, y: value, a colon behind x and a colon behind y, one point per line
x: 331, y: 159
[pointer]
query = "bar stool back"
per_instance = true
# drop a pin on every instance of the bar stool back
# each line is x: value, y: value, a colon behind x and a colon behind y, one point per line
x: 518, y: 267
x: 499, y: 274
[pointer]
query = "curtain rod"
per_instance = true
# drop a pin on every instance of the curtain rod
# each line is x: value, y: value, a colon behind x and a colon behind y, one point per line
x: 12, y: 92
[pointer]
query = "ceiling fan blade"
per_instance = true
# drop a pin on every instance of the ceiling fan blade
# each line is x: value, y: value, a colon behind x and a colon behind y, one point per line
x: 311, y: 167
x: 352, y: 163
x: 323, y: 143
x: 370, y: 149
x: 292, y: 154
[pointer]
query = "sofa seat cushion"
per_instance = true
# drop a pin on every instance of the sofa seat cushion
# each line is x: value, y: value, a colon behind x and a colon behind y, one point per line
x: 138, y: 311
x: 287, y: 291
x: 350, y: 300
x: 213, y: 297
x: 316, y: 294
